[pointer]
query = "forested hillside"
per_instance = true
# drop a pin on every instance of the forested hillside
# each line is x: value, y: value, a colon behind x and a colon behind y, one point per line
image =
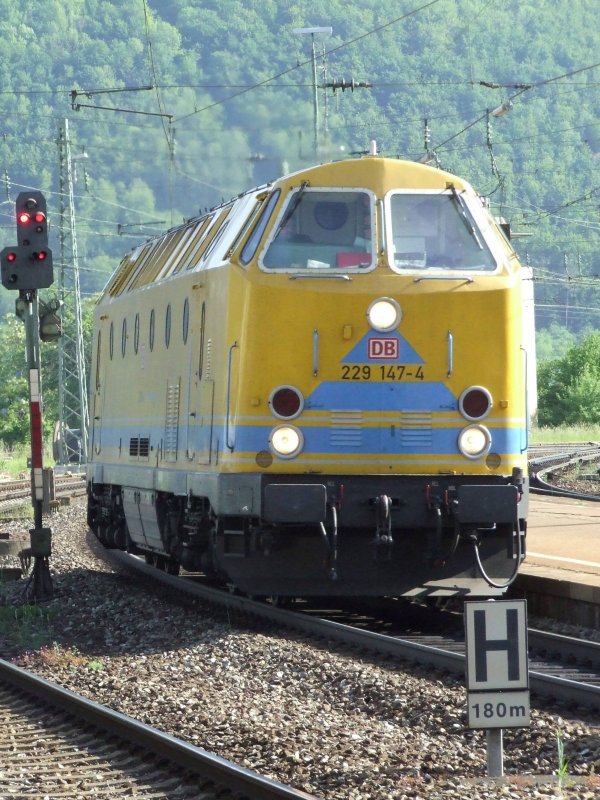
x: 180, y: 103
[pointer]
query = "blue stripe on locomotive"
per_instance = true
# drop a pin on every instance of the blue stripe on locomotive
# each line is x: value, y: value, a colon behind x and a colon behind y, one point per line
x: 392, y: 397
x: 385, y: 439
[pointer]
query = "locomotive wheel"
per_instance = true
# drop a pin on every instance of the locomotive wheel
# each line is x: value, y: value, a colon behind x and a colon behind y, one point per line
x: 279, y: 601
x: 173, y: 566
x: 149, y: 559
x: 119, y: 536
x: 103, y: 534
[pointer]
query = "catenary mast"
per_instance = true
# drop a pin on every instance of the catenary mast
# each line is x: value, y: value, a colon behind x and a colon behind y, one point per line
x: 72, y: 383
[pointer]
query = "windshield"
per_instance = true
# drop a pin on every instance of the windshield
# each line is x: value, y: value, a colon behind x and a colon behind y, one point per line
x: 323, y: 229
x: 437, y: 231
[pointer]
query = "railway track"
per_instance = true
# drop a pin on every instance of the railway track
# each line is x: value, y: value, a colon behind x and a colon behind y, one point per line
x: 546, y: 462
x: 555, y: 673
x: 57, y: 744
x: 561, y: 668
x: 16, y: 493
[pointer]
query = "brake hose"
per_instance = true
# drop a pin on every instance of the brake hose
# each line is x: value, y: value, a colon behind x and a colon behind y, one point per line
x: 484, y: 574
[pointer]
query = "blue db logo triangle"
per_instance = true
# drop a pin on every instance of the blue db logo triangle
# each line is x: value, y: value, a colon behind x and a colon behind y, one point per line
x: 390, y: 348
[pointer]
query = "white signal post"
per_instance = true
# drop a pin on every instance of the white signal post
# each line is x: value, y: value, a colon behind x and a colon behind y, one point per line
x: 497, y: 671
x: 40, y: 587
x: 37, y: 452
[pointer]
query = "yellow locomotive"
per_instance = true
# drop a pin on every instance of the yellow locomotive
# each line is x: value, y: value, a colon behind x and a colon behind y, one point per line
x: 319, y: 388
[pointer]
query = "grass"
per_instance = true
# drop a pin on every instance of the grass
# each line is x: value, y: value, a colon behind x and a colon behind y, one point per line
x: 26, y: 627
x: 563, y: 764
x: 55, y: 655
x: 573, y: 433
x: 29, y: 630
x: 14, y: 459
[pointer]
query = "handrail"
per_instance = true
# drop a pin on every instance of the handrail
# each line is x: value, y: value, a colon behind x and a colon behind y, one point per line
x: 335, y: 275
x: 524, y: 449
x: 444, y: 278
x: 229, y: 445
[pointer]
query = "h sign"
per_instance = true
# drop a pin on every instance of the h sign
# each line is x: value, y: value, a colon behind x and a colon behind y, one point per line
x: 496, y: 639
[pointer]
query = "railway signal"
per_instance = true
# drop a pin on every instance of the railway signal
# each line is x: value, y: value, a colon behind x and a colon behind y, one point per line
x: 26, y: 268
x: 50, y: 320
x: 29, y: 265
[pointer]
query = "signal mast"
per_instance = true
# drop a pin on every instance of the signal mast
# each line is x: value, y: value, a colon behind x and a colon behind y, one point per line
x: 27, y: 268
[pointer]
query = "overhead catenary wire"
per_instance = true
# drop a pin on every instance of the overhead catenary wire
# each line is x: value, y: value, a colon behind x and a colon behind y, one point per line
x: 525, y: 88
x: 281, y: 74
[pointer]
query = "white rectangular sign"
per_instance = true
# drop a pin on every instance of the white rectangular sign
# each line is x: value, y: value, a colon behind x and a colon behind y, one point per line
x: 496, y: 642
x: 499, y: 709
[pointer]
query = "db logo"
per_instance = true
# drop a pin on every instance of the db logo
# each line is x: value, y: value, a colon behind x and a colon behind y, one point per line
x: 384, y: 348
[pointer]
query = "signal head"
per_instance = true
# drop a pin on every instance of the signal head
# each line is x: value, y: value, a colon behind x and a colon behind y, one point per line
x: 32, y: 223
x: 29, y: 265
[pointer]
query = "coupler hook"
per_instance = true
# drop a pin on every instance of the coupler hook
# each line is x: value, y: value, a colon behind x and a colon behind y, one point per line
x: 384, y: 540
x: 330, y: 538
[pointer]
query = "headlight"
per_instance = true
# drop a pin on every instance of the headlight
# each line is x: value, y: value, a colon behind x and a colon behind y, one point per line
x: 475, y: 402
x: 474, y: 441
x: 384, y: 314
x: 286, y: 441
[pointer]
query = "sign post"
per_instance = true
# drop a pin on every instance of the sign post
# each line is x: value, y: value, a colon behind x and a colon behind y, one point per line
x: 497, y: 671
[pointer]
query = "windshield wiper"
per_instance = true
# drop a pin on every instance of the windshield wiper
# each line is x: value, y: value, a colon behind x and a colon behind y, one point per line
x: 464, y: 215
x: 294, y: 203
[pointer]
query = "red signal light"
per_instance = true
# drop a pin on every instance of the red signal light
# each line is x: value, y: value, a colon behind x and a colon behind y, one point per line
x: 41, y: 256
x: 39, y: 217
x: 11, y: 257
x: 24, y: 218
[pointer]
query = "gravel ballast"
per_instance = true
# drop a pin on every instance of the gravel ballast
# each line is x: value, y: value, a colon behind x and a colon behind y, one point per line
x: 330, y: 722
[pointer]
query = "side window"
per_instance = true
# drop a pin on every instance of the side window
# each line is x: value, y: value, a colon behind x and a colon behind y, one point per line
x: 124, y: 337
x: 151, y: 330
x: 208, y: 239
x: 145, y: 253
x: 249, y: 249
x: 98, y: 356
x: 168, y: 326
x: 216, y: 239
x: 191, y: 244
x: 136, y: 333
x: 186, y: 320
x: 126, y: 268
x: 254, y: 211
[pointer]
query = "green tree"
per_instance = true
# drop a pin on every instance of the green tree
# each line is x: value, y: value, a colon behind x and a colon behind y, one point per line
x: 14, y: 396
x: 553, y: 342
x: 569, y: 387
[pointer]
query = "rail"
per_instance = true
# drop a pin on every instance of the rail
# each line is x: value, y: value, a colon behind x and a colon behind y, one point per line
x: 544, y: 683
x: 233, y: 777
